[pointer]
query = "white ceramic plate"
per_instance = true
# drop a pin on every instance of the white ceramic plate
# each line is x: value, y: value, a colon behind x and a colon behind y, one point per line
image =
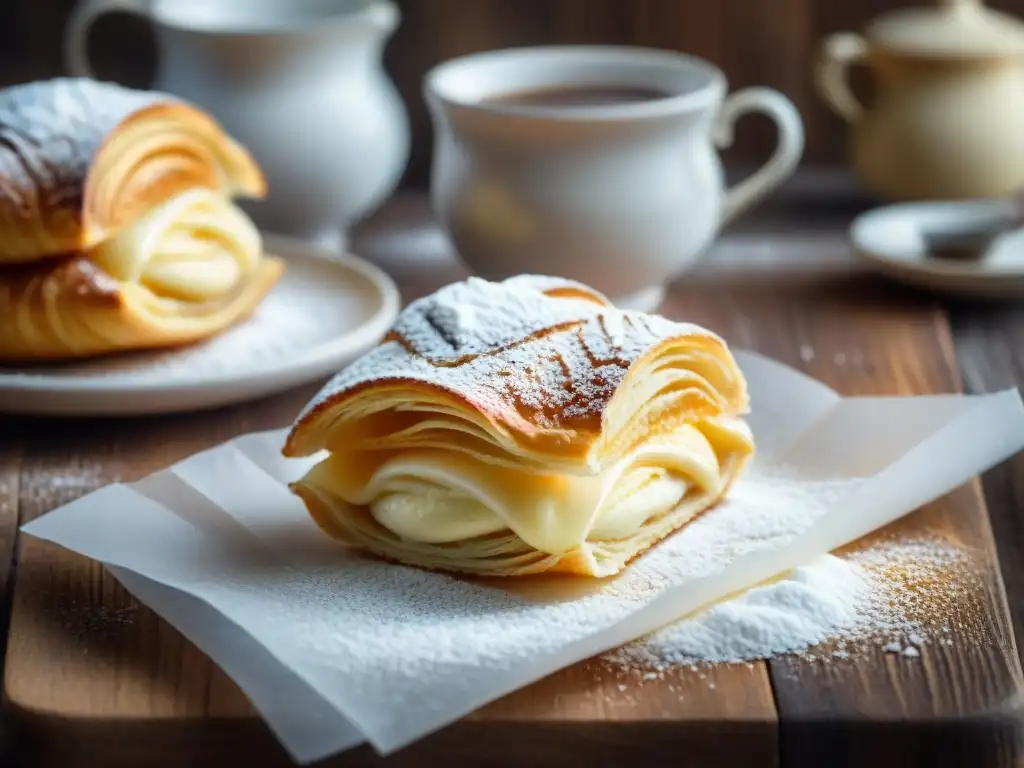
x: 326, y: 311
x: 891, y: 239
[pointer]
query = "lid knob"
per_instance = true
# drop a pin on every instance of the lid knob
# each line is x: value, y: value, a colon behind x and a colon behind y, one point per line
x: 949, y: 29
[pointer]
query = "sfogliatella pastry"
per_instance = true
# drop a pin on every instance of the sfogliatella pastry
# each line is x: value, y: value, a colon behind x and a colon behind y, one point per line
x: 80, y: 160
x: 117, y: 228
x: 188, y: 269
x: 523, y: 427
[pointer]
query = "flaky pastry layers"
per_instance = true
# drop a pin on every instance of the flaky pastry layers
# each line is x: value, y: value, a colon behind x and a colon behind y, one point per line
x: 522, y: 427
x: 79, y: 160
x: 189, y: 268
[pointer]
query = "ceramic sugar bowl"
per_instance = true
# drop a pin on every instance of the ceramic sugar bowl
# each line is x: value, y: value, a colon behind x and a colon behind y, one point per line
x: 947, y: 116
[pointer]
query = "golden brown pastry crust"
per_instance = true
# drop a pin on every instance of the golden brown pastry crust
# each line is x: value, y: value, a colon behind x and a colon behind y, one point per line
x: 523, y: 427
x: 68, y: 307
x: 559, y: 418
x: 79, y: 160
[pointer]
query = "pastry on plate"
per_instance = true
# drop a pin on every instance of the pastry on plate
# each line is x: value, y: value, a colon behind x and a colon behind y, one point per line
x: 117, y: 228
x: 189, y: 268
x: 80, y: 160
x: 522, y: 427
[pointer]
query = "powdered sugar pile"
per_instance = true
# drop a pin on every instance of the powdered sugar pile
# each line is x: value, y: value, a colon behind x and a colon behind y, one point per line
x: 897, y: 593
x: 808, y: 606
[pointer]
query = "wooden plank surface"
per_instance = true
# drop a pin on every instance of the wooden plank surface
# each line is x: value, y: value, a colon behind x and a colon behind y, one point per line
x: 10, y: 472
x: 89, y: 672
x: 81, y: 620
x: 990, y: 351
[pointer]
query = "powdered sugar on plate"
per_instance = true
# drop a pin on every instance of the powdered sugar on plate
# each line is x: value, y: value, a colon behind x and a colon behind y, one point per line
x: 323, y: 313
x: 281, y: 327
x: 303, y: 311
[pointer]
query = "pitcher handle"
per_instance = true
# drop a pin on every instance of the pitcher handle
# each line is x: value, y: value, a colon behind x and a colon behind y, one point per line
x: 76, y: 33
x: 780, y: 165
x: 839, y: 52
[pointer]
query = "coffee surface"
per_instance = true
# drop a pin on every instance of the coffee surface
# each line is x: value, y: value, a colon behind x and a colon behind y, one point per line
x: 578, y: 96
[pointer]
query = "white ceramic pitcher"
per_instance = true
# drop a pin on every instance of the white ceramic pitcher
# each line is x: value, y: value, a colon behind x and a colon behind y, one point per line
x: 300, y: 84
x: 620, y: 196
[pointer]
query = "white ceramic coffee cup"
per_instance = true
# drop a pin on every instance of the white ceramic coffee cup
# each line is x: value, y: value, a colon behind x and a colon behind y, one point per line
x: 620, y: 196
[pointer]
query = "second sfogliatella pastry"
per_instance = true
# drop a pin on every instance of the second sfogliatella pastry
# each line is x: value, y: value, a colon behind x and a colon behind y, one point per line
x: 117, y: 227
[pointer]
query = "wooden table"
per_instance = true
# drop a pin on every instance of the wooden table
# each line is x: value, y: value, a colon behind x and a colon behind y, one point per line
x: 784, y: 283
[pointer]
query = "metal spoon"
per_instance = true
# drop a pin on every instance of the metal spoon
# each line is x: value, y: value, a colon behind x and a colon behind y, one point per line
x: 968, y: 241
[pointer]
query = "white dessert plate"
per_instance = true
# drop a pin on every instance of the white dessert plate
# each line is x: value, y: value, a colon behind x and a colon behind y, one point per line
x: 326, y: 311
x: 891, y: 239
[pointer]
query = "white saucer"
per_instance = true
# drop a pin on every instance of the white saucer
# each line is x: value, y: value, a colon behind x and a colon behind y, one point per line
x: 326, y: 311
x: 890, y: 238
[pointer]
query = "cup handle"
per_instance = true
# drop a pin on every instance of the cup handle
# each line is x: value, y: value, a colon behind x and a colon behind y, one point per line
x: 76, y: 33
x: 839, y: 52
x: 783, y: 161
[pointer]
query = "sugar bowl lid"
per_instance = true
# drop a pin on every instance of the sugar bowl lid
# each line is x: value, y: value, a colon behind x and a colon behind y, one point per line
x: 950, y: 29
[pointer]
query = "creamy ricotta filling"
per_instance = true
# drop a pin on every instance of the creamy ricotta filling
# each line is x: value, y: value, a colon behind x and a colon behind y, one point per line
x: 196, y: 246
x: 433, y: 515
x: 437, y: 496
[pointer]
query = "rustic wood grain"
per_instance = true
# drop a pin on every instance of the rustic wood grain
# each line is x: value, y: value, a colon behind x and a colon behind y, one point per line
x: 749, y: 54
x: 98, y: 647
x: 990, y: 350
x: 10, y: 466
x: 762, y: 42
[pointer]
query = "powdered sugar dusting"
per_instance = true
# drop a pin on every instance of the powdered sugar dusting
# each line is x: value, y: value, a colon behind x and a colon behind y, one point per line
x: 50, y: 132
x: 402, y: 652
x: 469, y: 338
x: 806, y: 607
x: 761, y: 512
x: 387, y: 629
x: 88, y: 622
x: 476, y: 317
x: 277, y: 329
x: 892, y: 594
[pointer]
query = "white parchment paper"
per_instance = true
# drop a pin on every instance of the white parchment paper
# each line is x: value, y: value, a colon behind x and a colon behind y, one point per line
x: 334, y: 648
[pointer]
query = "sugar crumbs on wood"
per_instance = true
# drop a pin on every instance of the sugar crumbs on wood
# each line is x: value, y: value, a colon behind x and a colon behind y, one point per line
x: 890, y: 594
